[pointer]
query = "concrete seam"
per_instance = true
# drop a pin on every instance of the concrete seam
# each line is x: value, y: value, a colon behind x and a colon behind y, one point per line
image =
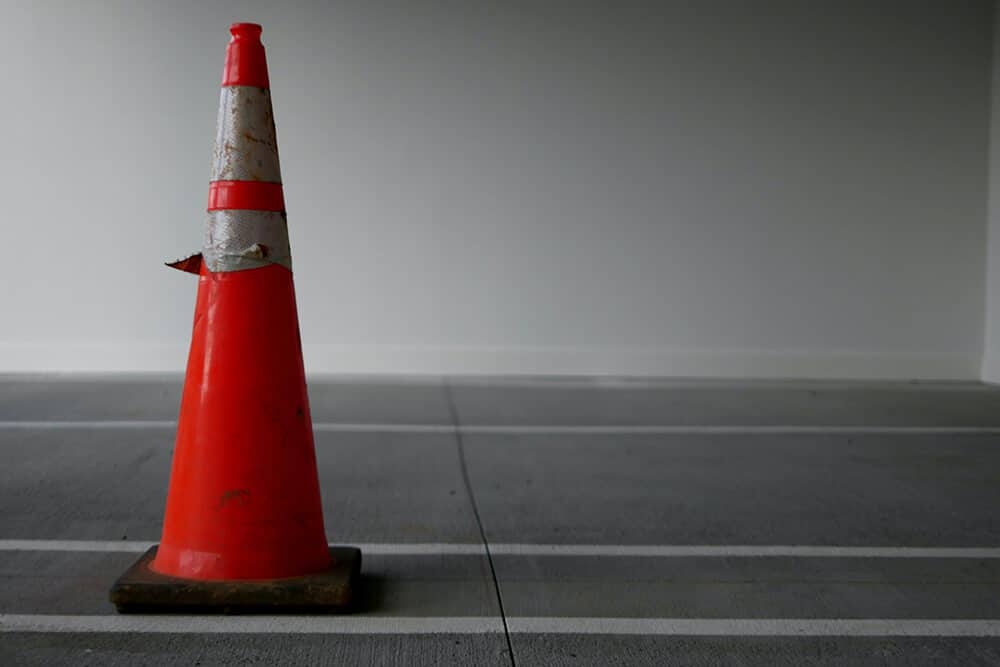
x: 452, y: 409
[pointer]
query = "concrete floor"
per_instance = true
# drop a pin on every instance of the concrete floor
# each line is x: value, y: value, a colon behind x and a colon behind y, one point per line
x: 628, y: 522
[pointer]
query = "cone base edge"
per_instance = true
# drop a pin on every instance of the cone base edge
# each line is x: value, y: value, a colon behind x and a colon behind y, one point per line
x: 333, y: 590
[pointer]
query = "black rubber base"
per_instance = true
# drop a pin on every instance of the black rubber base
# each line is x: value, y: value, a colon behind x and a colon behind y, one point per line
x: 332, y: 590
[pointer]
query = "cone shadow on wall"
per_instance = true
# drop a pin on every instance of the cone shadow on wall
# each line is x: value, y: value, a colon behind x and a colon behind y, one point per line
x: 243, y: 528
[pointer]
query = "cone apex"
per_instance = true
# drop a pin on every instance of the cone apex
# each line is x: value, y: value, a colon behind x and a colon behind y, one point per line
x: 246, y: 30
x: 246, y: 64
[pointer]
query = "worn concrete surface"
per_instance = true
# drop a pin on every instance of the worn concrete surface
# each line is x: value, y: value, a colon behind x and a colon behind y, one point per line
x: 749, y: 587
x: 158, y: 397
x: 111, y: 484
x: 808, y: 489
x: 597, y: 650
x: 40, y: 582
x: 712, y: 403
x: 861, y: 489
x: 69, y: 397
x: 126, y: 650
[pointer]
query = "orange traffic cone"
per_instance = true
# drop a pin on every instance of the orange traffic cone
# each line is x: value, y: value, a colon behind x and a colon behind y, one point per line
x: 244, y: 521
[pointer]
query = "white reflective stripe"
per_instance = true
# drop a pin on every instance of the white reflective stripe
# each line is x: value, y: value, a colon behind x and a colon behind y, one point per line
x: 89, y: 424
x: 757, y: 627
x: 420, y: 549
x: 236, y: 240
x: 468, y: 625
x: 625, y: 429
x: 345, y: 625
x: 246, y: 145
x: 570, y: 550
x: 99, y: 546
x: 129, y: 546
x: 541, y: 429
x: 739, y: 551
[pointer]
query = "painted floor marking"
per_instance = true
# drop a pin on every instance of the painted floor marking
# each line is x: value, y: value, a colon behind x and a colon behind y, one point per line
x: 350, y: 625
x: 540, y: 429
x: 567, y: 550
x: 732, y: 627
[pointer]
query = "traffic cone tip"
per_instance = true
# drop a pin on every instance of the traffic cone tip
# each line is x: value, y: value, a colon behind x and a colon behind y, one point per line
x: 245, y: 61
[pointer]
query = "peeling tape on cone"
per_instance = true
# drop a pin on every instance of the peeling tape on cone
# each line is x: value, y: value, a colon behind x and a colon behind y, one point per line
x: 244, y: 523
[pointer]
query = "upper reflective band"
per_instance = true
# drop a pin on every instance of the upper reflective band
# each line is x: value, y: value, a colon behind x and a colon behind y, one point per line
x: 241, y: 240
x: 246, y: 145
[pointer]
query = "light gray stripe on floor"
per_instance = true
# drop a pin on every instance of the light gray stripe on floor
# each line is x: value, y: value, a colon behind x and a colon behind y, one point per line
x: 430, y: 549
x: 119, y: 546
x: 87, y: 424
x: 347, y: 625
x: 170, y: 424
x: 383, y: 428
x: 723, y: 430
x: 734, y: 627
x: 566, y: 550
x: 514, y: 429
x: 743, y: 627
x: 638, y: 382
x: 740, y: 551
x: 104, y: 546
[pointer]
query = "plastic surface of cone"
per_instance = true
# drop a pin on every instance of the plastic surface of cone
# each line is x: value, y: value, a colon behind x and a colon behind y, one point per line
x: 244, y: 500
x: 246, y: 64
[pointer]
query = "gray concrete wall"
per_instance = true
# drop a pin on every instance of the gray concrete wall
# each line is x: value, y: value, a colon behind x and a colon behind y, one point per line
x: 711, y: 188
x: 991, y: 352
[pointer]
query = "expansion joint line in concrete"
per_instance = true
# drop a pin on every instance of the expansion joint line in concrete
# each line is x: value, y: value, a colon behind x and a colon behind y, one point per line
x: 460, y: 446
